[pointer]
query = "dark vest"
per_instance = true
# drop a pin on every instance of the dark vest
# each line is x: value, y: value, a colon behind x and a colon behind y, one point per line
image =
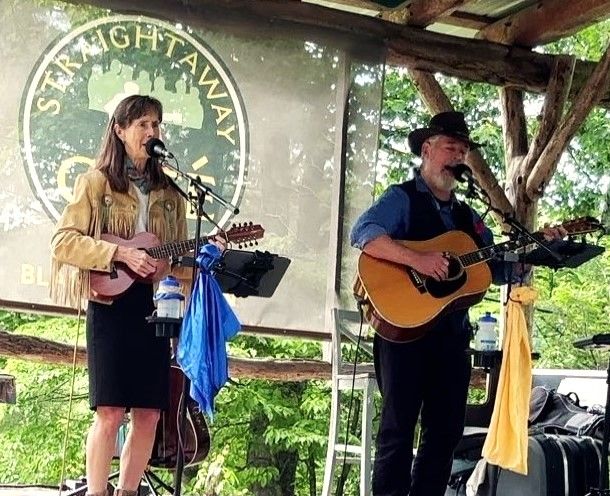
x: 425, y: 220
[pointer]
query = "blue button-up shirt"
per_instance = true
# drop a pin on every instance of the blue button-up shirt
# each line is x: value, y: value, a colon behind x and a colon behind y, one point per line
x: 390, y: 215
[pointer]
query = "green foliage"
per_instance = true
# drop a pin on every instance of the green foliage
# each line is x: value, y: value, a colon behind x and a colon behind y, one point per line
x: 294, y: 418
x: 32, y: 431
x: 577, y: 305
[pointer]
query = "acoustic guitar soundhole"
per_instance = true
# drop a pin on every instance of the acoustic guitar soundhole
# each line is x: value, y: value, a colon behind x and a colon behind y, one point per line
x: 454, y: 281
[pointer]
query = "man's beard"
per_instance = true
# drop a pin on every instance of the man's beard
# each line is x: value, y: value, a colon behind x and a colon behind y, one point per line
x: 444, y: 182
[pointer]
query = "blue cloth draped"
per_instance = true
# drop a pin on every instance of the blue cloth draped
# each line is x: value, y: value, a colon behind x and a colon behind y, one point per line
x: 209, y: 322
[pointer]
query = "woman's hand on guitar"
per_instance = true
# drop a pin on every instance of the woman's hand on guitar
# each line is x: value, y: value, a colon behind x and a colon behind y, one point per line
x: 137, y: 260
x: 163, y: 269
x: 220, y: 241
x: 433, y: 264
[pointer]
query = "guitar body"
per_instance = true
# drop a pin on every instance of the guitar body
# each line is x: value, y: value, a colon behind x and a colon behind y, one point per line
x: 196, y: 436
x: 401, y: 304
x: 112, y: 284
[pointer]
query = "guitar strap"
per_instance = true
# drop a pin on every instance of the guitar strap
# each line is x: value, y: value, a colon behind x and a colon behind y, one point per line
x: 463, y: 217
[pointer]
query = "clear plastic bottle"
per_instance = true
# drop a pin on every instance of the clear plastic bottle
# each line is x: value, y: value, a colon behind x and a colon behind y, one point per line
x: 486, y: 337
x: 168, y: 298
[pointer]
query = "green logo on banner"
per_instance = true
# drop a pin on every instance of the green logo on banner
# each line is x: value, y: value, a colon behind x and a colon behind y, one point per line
x: 77, y: 84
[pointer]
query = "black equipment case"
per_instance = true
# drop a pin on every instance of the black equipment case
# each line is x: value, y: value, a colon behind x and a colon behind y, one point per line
x: 558, y: 465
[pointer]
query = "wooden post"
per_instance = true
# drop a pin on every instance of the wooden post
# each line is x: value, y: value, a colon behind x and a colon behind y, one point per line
x: 586, y: 99
x: 8, y: 391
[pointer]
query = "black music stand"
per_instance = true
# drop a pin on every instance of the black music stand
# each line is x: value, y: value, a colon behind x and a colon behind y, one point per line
x: 250, y: 273
x: 601, y: 342
x: 572, y: 253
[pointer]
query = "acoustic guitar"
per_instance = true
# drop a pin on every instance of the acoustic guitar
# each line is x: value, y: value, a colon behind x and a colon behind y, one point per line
x: 401, y: 304
x: 195, y: 439
x: 112, y: 284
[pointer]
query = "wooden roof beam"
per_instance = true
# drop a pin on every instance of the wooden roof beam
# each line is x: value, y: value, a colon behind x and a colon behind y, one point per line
x: 465, y: 20
x: 471, y: 60
x: 422, y: 13
x: 546, y: 21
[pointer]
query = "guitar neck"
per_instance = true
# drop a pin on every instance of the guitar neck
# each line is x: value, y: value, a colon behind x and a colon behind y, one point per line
x: 175, y: 248
x: 582, y: 225
x: 490, y: 252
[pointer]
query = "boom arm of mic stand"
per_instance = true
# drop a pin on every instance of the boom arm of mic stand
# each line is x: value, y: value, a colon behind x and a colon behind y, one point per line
x: 475, y: 190
x: 520, y: 228
x: 197, y: 184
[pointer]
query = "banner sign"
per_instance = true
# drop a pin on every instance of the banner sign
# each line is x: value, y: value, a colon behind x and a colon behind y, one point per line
x: 256, y: 114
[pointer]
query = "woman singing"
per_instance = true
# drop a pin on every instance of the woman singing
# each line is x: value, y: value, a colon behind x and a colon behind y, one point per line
x: 126, y: 193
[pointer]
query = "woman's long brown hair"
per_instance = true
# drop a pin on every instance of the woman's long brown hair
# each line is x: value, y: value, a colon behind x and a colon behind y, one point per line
x: 111, y: 158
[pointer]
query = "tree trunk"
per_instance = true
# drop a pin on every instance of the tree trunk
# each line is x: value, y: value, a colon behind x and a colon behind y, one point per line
x: 262, y: 455
x: 311, y: 473
x: 46, y: 351
x: 259, y: 455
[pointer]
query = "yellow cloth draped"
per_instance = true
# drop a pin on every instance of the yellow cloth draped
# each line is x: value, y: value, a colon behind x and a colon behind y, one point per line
x: 506, y: 441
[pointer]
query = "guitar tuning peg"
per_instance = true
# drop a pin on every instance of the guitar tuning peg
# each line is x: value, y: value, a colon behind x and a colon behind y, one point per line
x: 250, y: 223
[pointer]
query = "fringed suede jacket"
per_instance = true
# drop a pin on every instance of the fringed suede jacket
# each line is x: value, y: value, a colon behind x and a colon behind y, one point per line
x: 76, y: 246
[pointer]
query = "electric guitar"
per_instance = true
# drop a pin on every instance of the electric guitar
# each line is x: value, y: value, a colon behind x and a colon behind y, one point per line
x: 401, y: 304
x: 112, y: 284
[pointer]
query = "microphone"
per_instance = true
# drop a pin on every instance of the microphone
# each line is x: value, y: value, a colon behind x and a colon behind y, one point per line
x: 156, y: 148
x: 461, y: 172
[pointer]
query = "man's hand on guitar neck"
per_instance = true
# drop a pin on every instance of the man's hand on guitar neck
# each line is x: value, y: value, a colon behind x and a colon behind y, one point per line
x: 433, y: 263
x: 552, y: 233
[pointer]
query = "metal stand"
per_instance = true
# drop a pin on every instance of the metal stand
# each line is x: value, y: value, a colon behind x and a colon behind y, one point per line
x: 518, y: 230
x: 154, y: 483
x: 198, y: 202
x: 187, y: 383
x: 152, y: 480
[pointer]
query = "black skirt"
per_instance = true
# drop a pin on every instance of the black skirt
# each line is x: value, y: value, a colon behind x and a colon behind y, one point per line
x: 128, y: 364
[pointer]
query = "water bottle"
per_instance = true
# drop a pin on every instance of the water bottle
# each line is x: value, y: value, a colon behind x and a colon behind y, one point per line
x: 168, y: 298
x: 486, y: 338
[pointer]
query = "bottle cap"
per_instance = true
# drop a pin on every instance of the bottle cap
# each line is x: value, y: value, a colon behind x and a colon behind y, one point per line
x: 488, y: 318
x: 168, y: 296
x: 170, y: 281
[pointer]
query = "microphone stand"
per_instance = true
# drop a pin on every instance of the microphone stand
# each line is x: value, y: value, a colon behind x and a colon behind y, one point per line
x: 200, y: 187
x: 475, y: 191
x: 197, y: 202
